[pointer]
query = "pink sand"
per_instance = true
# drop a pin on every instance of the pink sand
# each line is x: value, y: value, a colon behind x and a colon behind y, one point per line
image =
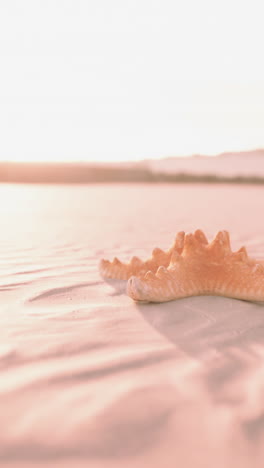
x: 89, y: 378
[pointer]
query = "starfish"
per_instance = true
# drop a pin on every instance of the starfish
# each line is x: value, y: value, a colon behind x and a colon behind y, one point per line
x: 202, y: 269
x: 191, y: 267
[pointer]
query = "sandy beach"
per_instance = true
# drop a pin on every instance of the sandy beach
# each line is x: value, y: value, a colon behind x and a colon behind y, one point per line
x: 90, y: 378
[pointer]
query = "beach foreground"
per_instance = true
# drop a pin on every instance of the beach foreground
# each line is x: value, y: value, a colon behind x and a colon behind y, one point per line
x: 90, y: 378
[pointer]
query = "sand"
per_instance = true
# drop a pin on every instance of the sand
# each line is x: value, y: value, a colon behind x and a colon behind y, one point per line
x: 90, y: 378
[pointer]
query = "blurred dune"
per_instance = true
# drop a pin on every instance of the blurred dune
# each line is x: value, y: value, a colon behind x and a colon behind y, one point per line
x: 242, y: 164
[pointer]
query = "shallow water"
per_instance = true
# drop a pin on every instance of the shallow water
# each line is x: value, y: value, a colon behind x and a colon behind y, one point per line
x: 89, y: 377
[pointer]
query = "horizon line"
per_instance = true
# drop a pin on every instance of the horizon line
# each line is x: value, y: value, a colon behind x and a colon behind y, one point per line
x: 128, y: 161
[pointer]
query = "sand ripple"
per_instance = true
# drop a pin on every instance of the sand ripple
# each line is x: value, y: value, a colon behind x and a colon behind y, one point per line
x: 89, y: 378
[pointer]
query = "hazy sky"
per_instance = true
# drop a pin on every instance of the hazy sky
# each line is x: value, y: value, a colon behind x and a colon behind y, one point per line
x: 119, y: 79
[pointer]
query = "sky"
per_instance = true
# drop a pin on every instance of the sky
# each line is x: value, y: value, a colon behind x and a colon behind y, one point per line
x: 102, y: 80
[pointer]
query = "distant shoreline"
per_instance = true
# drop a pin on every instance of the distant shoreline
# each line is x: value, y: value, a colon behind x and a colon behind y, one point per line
x: 75, y: 174
x: 158, y: 179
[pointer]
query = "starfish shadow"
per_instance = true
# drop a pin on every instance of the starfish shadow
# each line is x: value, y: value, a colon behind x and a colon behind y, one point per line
x: 227, y: 337
x: 198, y: 325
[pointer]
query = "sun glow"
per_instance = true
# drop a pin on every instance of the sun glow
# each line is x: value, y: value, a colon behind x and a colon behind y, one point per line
x: 125, y: 81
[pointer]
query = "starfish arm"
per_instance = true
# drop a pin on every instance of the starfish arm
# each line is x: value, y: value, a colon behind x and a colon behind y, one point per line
x: 166, y: 285
x: 119, y: 270
x: 170, y: 284
x: 245, y: 281
x: 137, y: 267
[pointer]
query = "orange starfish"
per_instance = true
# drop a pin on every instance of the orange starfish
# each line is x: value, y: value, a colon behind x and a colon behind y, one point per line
x: 191, y: 267
x: 202, y: 269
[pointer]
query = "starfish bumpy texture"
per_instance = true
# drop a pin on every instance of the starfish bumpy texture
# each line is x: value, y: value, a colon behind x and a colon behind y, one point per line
x: 191, y: 267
